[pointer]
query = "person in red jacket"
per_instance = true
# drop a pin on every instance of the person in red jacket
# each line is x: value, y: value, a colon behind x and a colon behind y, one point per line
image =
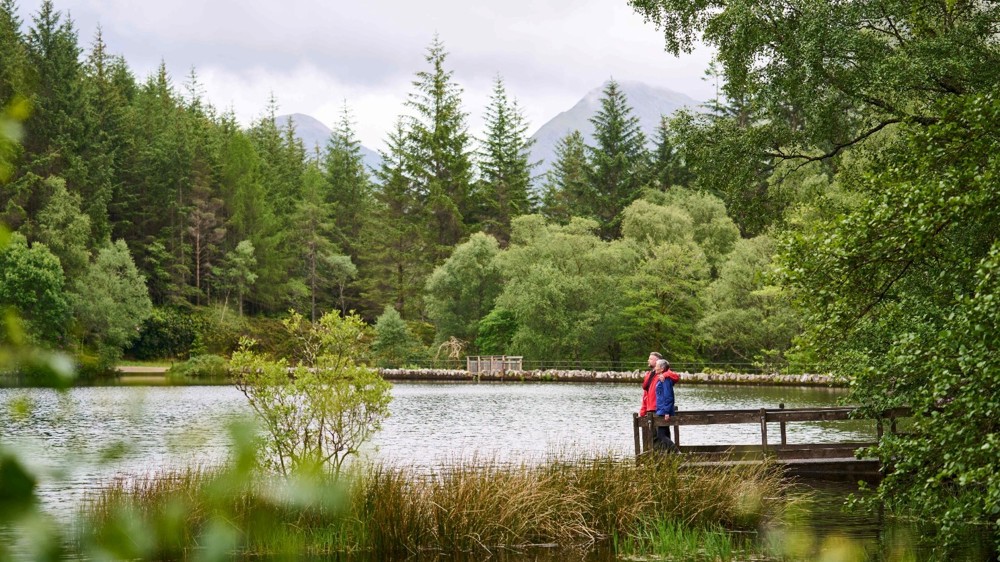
x: 648, y: 406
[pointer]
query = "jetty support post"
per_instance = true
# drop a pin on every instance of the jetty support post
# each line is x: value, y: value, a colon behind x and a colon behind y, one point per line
x: 784, y: 437
x: 763, y: 429
x: 677, y: 432
x: 635, y: 434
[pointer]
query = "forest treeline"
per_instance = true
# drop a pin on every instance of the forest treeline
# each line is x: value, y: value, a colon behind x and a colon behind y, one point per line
x: 121, y: 183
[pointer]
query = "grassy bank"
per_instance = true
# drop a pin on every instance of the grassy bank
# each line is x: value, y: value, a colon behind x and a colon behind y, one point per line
x: 473, y: 506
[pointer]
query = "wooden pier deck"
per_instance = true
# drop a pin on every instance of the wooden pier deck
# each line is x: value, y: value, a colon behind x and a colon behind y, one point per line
x: 828, y: 461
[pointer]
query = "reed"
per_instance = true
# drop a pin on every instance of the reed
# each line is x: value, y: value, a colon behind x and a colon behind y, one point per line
x: 467, y: 506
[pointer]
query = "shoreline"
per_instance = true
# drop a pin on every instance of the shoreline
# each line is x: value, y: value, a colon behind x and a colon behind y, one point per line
x: 129, y: 374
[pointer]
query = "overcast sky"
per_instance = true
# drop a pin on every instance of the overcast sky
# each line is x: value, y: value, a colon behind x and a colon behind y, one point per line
x: 315, y: 55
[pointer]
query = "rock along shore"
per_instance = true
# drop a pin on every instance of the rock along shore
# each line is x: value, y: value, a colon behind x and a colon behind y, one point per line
x: 608, y: 376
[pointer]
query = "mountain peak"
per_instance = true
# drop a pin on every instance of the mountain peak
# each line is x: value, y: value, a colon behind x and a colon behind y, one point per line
x: 314, y: 134
x: 649, y: 103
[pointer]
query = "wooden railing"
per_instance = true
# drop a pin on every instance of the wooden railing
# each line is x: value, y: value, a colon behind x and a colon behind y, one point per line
x: 645, y: 427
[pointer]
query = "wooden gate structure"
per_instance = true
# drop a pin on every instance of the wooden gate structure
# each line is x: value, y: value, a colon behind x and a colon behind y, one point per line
x: 834, y: 461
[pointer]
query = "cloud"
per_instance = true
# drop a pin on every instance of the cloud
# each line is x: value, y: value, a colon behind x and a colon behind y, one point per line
x: 313, y: 54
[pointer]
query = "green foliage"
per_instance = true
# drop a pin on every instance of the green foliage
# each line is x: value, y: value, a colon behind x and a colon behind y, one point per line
x: 319, y: 409
x: 746, y: 314
x: 462, y: 290
x: 618, y: 161
x: 166, y: 333
x: 504, y: 192
x: 238, y: 274
x: 394, y: 344
x: 348, y: 187
x: 62, y: 227
x: 662, y: 307
x: 567, y: 187
x: 711, y: 228
x: 439, y: 157
x: 110, y: 303
x: 397, y: 249
x: 563, y: 287
x: 496, y: 332
x: 32, y: 286
x: 902, y: 286
x: 199, y: 368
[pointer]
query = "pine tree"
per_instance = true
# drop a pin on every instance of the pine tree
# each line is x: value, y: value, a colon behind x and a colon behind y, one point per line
x: 567, y: 192
x: 505, y: 168
x: 348, y: 186
x: 55, y: 130
x: 618, y: 160
x: 105, y: 118
x: 395, y: 261
x: 438, y: 152
x: 668, y: 167
x: 313, y: 228
x: 14, y: 70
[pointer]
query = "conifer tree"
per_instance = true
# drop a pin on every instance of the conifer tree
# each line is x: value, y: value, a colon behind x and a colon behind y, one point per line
x: 668, y: 168
x: 348, y: 187
x: 395, y: 262
x: 313, y: 232
x: 439, y: 153
x: 105, y: 119
x: 54, y: 131
x: 13, y: 71
x: 618, y: 160
x: 567, y: 191
x: 505, y: 168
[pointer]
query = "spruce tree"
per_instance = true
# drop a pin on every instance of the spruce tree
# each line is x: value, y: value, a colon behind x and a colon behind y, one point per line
x: 395, y: 261
x: 668, y: 167
x: 618, y: 160
x: 505, y: 167
x: 567, y: 192
x: 13, y: 71
x: 313, y: 227
x: 438, y: 153
x: 348, y: 187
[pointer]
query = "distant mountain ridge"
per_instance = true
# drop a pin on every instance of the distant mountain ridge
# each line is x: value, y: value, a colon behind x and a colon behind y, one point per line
x: 313, y: 133
x: 648, y: 103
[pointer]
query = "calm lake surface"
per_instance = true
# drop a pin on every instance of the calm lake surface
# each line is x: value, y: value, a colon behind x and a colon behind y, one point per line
x: 83, y: 437
x: 80, y: 439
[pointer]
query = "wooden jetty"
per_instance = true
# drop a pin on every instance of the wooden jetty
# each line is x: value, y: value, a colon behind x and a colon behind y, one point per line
x: 828, y: 461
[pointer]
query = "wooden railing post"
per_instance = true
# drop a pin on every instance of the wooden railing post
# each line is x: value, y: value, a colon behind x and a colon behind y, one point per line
x: 677, y: 431
x: 635, y: 433
x: 763, y: 429
x: 784, y: 438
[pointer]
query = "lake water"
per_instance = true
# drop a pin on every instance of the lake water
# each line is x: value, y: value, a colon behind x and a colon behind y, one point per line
x: 81, y: 438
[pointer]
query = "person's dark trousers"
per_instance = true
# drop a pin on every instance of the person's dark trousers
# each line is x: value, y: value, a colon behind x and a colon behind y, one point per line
x: 662, y: 441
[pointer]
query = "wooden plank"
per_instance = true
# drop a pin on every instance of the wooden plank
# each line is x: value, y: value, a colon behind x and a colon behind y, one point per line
x: 712, y: 417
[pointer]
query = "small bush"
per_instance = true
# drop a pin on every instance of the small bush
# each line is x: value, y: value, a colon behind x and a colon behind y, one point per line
x: 167, y: 333
x: 201, y: 368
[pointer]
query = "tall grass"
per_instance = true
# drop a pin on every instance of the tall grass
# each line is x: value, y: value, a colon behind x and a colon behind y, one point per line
x: 469, y: 506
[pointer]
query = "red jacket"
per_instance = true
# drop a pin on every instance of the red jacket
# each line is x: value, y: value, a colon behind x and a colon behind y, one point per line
x: 648, y: 393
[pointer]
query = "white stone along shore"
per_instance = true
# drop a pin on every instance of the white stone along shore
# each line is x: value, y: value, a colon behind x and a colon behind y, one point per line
x: 609, y: 376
